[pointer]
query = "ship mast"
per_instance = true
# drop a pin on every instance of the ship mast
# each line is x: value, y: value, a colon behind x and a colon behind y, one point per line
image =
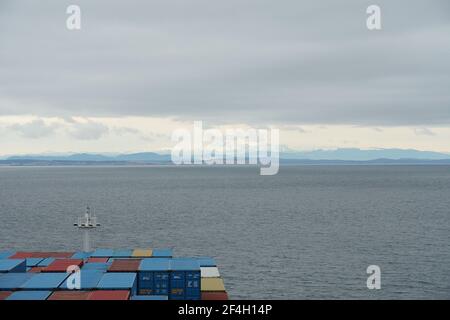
x: 87, y: 223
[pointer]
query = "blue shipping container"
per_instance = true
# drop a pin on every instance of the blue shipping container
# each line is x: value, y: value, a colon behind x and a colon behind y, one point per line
x: 177, y: 285
x: 153, y: 283
x: 6, y: 254
x: 162, y: 253
x: 193, y: 285
x: 153, y: 276
x: 13, y: 265
x: 11, y: 281
x: 46, y: 262
x: 155, y: 264
x: 45, y: 281
x: 161, y: 283
x: 89, y: 279
x: 206, y: 262
x: 149, y: 298
x: 122, y: 253
x: 82, y: 255
x: 29, y: 295
x: 118, y: 281
x: 184, y: 279
x: 103, y: 253
x: 33, y: 262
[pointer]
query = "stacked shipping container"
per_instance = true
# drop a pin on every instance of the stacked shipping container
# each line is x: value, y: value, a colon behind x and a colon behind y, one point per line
x: 184, y: 279
x: 13, y: 265
x: 153, y: 276
x: 125, y: 265
x: 62, y: 265
x: 212, y: 284
x: 106, y: 274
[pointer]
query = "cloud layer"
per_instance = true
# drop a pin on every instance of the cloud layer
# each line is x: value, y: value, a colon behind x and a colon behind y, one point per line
x: 253, y: 61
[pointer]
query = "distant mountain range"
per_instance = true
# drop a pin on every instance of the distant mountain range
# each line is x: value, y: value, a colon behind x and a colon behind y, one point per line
x: 91, y: 157
x: 353, y: 154
x: 337, y: 156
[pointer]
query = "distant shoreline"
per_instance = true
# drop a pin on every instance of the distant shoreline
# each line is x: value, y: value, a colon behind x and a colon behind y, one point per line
x: 74, y: 163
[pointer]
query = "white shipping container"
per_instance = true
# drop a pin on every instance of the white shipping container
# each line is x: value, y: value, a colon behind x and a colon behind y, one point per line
x: 209, y: 272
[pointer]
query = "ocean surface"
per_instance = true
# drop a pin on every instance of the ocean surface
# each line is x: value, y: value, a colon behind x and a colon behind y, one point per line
x: 309, y: 232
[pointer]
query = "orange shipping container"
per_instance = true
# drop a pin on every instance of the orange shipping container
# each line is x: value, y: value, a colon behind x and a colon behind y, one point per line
x: 95, y: 259
x: 5, y: 294
x: 24, y: 255
x: 109, y: 295
x: 69, y: 295
x: 61, y: 265
x: 216, y: 295
x: 125, y: 265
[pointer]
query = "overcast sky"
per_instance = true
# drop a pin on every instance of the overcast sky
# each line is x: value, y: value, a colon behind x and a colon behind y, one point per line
x: 138, y: 69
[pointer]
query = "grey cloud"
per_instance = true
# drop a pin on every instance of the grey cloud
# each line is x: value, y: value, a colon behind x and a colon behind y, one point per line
x: 125, y: 130
x: 255, y: 61
x: 152, y: 137
x: 69, y: 120
x: 294, y: 128
x: 34, y: 129
x: 89, y: 130
x: 145, y: 136
x: 424, y: 132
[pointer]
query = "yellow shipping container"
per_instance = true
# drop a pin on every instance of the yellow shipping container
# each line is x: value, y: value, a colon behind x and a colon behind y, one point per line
x: 212, y: 284
x: 142, y: 253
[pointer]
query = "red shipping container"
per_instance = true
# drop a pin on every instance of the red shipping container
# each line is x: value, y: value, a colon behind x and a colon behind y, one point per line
x: 24, y: 255
x: 216, y: 295
x: 5, y: 294
x: 61, y: 265
x: 36, y: 269
x: 109, y: 295
x: 69, y: 295
x: 101, y: 260
x: 125, y: 265
x: 58, y: 255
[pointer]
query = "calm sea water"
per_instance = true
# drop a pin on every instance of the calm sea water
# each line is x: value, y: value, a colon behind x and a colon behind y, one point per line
x: 308, y: 232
